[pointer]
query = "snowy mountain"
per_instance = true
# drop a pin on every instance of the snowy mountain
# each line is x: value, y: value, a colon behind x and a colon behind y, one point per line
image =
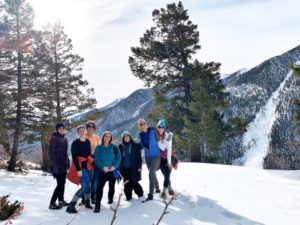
x: 264, y: 96
x: 209, y: 194
x: 123, y: 114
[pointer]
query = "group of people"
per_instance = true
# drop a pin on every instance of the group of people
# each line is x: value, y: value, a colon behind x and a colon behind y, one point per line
x: 96, y: 161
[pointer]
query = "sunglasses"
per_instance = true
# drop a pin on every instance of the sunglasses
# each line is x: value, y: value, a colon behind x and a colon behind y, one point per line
x: 159, y: 127
x: 141, y: 124
x: 92, y: 126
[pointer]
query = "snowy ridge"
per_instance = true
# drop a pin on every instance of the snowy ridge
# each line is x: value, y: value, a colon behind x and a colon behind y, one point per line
x: 257, y: 137
x: 209, y: 194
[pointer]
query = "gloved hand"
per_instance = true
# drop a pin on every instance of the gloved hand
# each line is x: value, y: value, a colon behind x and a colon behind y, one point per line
x: 117, y: 175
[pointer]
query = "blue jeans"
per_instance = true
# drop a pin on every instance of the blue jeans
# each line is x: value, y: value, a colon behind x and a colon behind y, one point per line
x: 94, y: 183
x: 85, y: 189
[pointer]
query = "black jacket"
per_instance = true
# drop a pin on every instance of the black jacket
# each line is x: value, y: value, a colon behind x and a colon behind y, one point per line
x: 58, y: 154
x: 136, y: 160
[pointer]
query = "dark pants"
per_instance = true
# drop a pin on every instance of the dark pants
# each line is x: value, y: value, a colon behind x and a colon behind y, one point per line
x: 103, y: 177
x: 166, y: 172
x: 131, y: 184
x: 60, y: 188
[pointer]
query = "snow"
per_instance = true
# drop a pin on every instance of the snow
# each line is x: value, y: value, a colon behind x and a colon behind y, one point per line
x: 210, y: 194
x: 257, y: 137
x: 297, y: 64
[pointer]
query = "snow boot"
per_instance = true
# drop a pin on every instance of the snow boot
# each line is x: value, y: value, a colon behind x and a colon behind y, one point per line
x: 149, y: 198
x: 71, y: 208
x: 54, y: 206
x: 97, y: 207
x: 163, y: 195
x: 63, y: 203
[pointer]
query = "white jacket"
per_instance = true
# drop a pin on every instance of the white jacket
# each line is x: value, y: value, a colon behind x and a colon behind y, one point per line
x: 166, y: 145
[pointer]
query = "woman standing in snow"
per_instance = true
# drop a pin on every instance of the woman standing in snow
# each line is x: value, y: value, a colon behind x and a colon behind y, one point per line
x: 107, y: 159
x: 164, y: 141
x: 59, y: 163
x: 152, y: 155
x: 82, y: 160
x: 131, y: 165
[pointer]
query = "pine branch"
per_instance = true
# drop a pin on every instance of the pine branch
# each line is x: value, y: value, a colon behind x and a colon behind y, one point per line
x: 166, y: 208
x: 115, y: 210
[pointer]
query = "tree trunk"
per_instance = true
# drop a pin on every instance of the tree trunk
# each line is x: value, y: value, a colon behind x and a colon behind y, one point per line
x: 45, y: 157
x: 195, y: 154
x: 14, y: 153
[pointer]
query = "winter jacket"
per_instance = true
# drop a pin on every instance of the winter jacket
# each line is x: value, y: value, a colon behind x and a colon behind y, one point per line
x: 149, y: 142
x: 58, y: 154
x: 106, y: 157
x: 135, y: 159
x: 165, y: 146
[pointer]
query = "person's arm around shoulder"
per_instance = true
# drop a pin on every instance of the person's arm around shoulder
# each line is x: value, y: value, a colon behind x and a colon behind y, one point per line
x: 118, y: 157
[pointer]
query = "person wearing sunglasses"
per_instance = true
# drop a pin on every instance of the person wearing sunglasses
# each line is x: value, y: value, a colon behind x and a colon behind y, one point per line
x: 164, y: 139
x: 152, y: 154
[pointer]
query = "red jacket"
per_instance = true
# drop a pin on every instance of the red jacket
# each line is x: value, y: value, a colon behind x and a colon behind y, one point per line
x: 73, y: 175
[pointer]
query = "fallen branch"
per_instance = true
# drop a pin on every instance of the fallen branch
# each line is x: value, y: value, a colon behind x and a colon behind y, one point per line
x: 166, y: 208
x: 9, y: 211
x: 115, y: 210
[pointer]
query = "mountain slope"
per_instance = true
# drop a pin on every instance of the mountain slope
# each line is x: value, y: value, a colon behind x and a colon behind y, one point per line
x: 250, y: 92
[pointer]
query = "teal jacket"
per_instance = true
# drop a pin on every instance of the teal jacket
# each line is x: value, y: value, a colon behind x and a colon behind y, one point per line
x: 107, y: 156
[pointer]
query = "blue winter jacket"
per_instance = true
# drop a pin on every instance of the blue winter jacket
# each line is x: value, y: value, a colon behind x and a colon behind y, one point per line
x: 149, y: 143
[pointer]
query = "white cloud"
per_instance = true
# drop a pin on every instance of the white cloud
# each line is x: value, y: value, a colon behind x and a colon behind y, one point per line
x: 237, y: 33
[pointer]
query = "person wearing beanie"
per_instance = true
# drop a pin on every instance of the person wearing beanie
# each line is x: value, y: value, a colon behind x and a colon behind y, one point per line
x: 131, y: 165
x: 107, y: 159
x: 82, y: 161
x: 95, y: 140
x: 152, y: 154
x: 164, y: 141
x: 58, y: 163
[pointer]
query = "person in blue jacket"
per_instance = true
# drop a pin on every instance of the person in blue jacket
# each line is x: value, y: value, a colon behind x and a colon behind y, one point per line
x: 107, y: 159
x: 148, y: 140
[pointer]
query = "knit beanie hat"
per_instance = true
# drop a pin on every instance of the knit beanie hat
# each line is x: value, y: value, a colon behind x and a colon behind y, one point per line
x: 126, y: 133
x: 162, y: 123
x: 59, y: 125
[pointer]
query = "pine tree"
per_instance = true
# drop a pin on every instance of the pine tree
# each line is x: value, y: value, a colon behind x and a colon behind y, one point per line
x: 164, y: 61
x: 204, y: 125
x: 61, y: 84
x: 18, y: 17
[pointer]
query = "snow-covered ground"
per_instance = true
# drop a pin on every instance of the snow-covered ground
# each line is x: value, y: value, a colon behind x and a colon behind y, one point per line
x: 210, y: 194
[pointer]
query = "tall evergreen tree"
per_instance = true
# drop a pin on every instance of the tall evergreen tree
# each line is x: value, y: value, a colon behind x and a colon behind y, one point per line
x: 61, y: 83
x: 18, y: 17
x: 164, y: 61
x: 204, y: 126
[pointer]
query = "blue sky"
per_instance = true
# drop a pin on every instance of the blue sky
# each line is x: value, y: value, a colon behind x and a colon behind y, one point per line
x: 237, y: 33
